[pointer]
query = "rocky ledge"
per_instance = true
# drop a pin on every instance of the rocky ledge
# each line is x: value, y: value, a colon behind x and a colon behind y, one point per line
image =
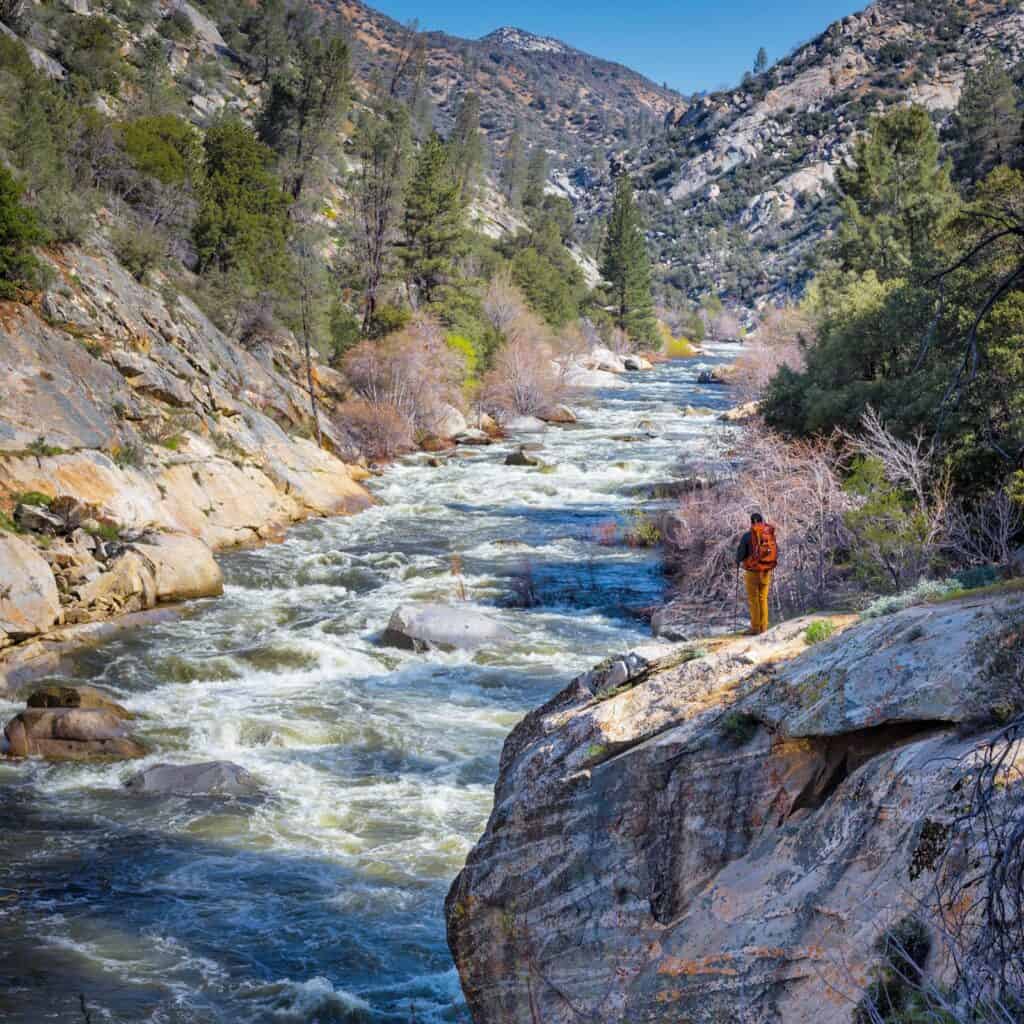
x: 698, y: 833
x: 136, y: 439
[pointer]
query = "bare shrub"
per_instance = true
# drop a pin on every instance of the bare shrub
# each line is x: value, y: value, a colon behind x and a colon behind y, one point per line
x: 524, y: 380
x: 503, y: 303
x: 380, y: 430
x: 780, y: 341
x: 984, y: 533
x: 797, y: 487
x: 900, y: 529
x: 413, y: 372
x: 726, y: 326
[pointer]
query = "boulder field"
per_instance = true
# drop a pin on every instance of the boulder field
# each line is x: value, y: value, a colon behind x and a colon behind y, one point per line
x: 135, y: 440
x: 722, y: 831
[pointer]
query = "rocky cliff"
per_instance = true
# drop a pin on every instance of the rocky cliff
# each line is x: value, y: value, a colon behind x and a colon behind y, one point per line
x: 135, y: 439
x: 722, y: 832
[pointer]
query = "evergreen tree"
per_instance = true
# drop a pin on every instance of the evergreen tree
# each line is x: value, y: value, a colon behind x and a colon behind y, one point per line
x: 536, y: 177
x: 466, y: 146
x: 305, y: 104
x: 625, y: 265
x: 761, y: 62
x: 513, y: 168
x: 432, y: 228
x: 268, y: 35
x: 19, y: 231
x: 986, y: 126
x: 897, y: 197
x: 242, y: 222
x: 383, y: 142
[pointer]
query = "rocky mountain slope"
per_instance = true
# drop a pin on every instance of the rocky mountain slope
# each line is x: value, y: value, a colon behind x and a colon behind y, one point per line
x: 567, y: 100
x: 722, y: 832
x: 737, y: 189
x: 135, y: 439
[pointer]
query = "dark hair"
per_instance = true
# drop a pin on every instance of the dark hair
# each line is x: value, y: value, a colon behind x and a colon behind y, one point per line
x: 756, y: 517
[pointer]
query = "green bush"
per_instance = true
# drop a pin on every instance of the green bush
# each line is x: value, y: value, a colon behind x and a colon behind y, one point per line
x: 90, y: 50
x: 140, y: 248
x: 739, y: 727
x: 818, y: 632
x: 165, y: 147
x: 19, y: 231
x: 177, y: 26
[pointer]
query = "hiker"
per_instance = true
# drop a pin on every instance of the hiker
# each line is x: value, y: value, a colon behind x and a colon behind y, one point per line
x: 758, y: 554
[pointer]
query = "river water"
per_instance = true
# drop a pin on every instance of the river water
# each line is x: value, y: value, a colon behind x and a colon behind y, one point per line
x: 322, y: 901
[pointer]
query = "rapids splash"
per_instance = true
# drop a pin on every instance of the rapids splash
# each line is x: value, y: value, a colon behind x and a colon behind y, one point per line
x: 323, y: 901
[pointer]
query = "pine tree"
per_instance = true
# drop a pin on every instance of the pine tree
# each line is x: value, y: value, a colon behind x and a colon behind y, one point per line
x: 626, y: 267
x: 513, y: 168
x: 536, y: 177
x: 466, y: 146
x: 383, y: 142
x: 986, y: 126
x: 304, y: 106
x: 897, y: 197
x: 432, y: 228
x: 242, y: 222
x: 269, y: 36
x: 761, y: 62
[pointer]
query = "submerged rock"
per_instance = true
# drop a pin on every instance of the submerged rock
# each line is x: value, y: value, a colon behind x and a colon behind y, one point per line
x: 213, y: 778
x: 722, y: 830
x: 521, y: 457
x: 448, y: 627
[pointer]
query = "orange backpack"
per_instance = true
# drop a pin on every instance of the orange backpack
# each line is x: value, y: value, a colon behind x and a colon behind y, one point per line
x: 764, y: 550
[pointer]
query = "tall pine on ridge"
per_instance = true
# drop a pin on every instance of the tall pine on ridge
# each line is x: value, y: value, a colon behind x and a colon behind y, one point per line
x: 626, y: 266
x: 432, y: 228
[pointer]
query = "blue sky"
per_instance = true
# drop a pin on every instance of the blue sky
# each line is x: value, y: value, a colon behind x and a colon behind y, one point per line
x: 690, y: 44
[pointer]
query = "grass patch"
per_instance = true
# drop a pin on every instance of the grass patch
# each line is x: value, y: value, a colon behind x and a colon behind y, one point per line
x: 174, y: 442
x: 818, y: 632
x: 31, y: 498
x: 7, y: 524
x: 39, y: 447
x: 106, y: 531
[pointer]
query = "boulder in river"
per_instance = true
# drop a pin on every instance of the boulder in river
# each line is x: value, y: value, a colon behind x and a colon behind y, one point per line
x: 635, y: 362
x: 558, y: 414
x: 472, y: 436
x: 520, y: 457
x: 741, y: 413
x: 76, y: 697
x: 212, y: 778
x: 418, y: 627
x: 577, y: 376
x: 70, y: 734
x: 525, y: 425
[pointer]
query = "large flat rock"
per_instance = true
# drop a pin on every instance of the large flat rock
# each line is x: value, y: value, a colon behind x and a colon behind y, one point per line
x: 723, y: 830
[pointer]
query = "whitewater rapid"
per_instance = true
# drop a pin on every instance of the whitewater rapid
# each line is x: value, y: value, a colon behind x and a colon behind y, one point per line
x: 322, y: 901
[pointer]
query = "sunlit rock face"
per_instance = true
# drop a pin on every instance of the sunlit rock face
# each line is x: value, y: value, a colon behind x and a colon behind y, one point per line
x: 724, y: 830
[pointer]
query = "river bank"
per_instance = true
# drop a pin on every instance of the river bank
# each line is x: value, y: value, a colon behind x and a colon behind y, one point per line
x: 324, y: 896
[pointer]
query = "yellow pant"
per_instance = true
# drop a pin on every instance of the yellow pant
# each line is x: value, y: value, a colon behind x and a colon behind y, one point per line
x: 758, y: 586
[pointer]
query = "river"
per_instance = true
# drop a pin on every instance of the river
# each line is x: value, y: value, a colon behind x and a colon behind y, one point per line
x: 323, y: 900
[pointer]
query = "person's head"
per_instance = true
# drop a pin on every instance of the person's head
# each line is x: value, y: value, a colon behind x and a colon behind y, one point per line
x: 755, y: 518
